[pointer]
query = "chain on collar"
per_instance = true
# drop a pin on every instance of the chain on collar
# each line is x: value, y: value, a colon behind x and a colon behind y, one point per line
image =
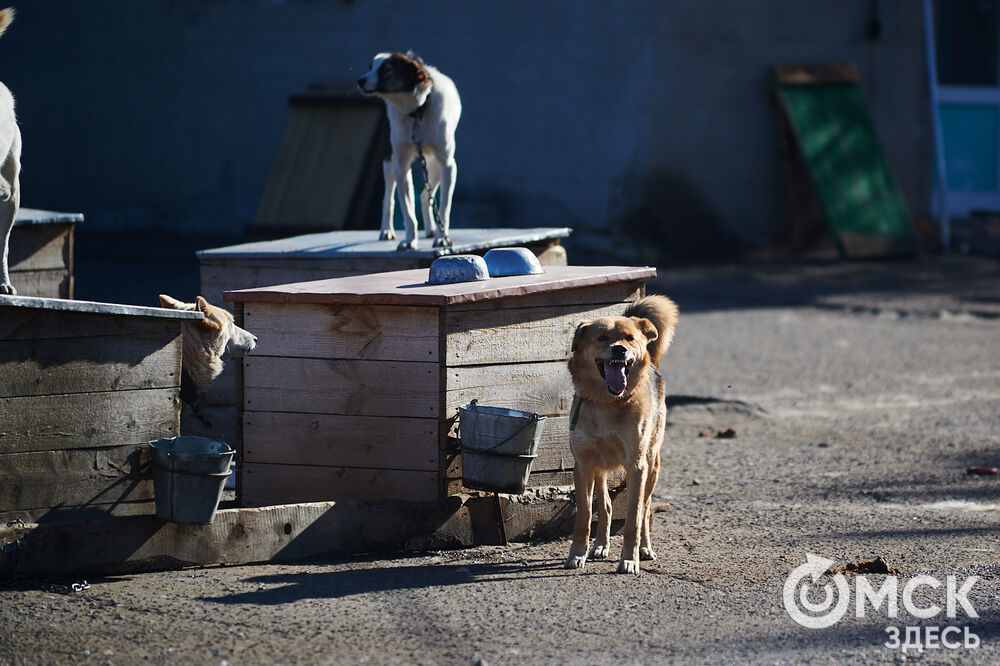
x: 418, y: 115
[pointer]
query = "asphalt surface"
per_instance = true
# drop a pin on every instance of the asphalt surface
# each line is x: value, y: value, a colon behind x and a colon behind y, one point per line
x: 857, y: 395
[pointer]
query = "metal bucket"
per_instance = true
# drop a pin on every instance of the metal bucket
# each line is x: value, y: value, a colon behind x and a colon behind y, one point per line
x: 498, y: 446
x: 188, y: 477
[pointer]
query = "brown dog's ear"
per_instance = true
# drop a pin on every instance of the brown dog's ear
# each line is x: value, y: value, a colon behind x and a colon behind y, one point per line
x: 646, y: 327
x: 210, y: 320
x: 579, y: 333
x: 173, y: 303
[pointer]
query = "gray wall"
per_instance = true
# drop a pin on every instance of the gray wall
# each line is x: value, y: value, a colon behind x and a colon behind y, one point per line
x: 168, y: 113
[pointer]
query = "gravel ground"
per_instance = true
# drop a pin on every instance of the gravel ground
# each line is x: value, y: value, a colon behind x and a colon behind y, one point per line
x: 858, y: 395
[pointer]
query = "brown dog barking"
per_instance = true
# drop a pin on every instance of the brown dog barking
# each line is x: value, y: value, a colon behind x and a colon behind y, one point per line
x: 618, y: 418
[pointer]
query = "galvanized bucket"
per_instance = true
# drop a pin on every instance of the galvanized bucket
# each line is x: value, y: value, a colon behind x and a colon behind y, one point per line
x: 498, y: 446
x: 188, y: 476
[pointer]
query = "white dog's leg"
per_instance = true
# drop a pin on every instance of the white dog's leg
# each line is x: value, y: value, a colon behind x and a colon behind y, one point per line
x: 404, y: 184
x: 448, y: 177
x: 8, y: 209
x: 10, y: 200
x: 388, y: 201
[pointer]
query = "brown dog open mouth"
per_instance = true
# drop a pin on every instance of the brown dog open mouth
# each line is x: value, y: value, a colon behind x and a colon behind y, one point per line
x: 615, y: 374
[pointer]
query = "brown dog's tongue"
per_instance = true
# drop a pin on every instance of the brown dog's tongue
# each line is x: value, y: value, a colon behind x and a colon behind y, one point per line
x: 614, y: 378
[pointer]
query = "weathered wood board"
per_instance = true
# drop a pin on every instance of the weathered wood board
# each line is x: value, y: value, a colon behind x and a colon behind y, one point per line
x: 346, y: 332
x: 341, y: 440
x: 543, y: 388
x: 410, y: 288
x: 516, y: 335
x: 87, y: 420
x: 332, y: 386
x: 106, y: 363
x: 354, y: 388
x: 265, y: 484
x: 74, y: 477
x: 281, y: 533
x: 327, y: 170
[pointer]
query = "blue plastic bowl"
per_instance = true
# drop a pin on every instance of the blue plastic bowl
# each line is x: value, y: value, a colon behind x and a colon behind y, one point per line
x: 504, y: 261
x: 458, y: 268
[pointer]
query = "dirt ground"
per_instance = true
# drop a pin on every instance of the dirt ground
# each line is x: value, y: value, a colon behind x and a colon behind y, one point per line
x: 859, y: 395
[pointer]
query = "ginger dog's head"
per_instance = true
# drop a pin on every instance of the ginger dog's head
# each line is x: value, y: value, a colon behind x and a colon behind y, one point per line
x: 206, y: 341
x: 610, y: 356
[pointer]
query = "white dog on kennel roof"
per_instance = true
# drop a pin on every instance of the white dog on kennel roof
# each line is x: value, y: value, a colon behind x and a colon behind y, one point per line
x: 423, y: 109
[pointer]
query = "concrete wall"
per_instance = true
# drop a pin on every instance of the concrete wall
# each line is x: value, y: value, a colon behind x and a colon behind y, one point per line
x: 168, y: 113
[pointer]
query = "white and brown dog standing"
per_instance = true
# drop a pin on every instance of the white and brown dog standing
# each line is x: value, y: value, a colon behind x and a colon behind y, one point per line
x: 618, y: 419
x: 423, y: 109
x: 10, y: 167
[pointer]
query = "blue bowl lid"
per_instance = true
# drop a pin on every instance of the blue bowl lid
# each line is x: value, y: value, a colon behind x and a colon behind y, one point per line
x: 458, y: 268
x: 504, y: 261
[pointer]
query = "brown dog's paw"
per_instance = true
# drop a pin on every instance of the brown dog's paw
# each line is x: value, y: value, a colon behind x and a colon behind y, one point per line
x: 646, y: 554
x: 628, y: 567
x: 576, y: 561
x: 599, y: 552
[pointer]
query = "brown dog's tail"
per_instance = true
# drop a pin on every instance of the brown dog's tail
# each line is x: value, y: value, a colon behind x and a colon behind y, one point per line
x: 6, y: 18
x: 663, y: 313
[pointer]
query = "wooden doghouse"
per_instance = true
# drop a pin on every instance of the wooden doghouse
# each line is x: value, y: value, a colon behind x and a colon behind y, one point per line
x: 41, y: 253
x: 83, y: 387
x: 343, y: 253
x: 354, y: 385
x: 335, y: 254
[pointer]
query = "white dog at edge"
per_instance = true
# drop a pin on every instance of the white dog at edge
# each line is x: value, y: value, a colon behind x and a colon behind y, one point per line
x: 423, y: 108
x: 10, y: 168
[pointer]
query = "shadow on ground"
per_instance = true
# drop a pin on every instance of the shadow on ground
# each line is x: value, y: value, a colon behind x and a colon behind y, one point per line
x: 941, y: 285
x: 289, y: 588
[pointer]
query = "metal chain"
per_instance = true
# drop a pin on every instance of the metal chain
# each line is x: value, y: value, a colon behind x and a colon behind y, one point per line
x: 417, y: 115
x: 48, y: 584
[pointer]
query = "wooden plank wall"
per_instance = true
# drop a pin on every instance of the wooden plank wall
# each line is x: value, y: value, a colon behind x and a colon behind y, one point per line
x: 41, y: 260
x: 80, y: 394
x: 327, y: 169
x: 340, y: 402
x: 356, y: 402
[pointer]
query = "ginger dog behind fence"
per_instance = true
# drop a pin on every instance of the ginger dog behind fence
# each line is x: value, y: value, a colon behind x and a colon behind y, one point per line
x: 618, y: 419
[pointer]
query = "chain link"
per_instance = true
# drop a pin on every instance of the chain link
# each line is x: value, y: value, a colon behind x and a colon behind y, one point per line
x: 47, y: 584
x: 446, y: 242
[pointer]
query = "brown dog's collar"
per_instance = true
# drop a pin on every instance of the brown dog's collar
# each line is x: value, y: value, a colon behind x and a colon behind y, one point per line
x: 574, y: 411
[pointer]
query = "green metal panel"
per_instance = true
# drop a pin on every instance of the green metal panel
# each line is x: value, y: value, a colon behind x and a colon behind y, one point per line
x: 863, y: 207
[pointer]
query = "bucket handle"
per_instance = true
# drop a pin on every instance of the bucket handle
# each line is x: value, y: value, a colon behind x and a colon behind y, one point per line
x: 472, y: 406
